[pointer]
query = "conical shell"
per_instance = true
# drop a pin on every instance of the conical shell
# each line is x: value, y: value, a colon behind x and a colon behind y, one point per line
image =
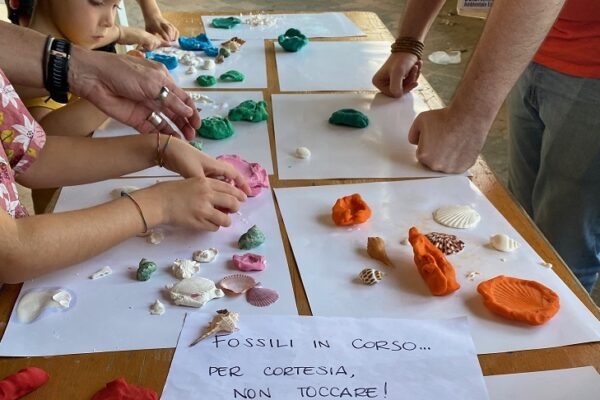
x: 225, y: 321
x: 519, y: 299
x: 460, y: 217
x: 370, y: 276
x: 502, y: 242
x: 376, y: 250
x: 238, y: 283
x: 261, y: 297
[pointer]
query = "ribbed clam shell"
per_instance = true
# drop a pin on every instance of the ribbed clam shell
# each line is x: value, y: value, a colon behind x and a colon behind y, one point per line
x: 370, y: 276
x: 502, y: 242
x: 460, y: 217
x: 261, y: 297
x: 238, y: 283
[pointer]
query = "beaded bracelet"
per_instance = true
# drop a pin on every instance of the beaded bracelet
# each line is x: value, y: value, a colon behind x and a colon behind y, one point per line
x: 405, y: 44
x: 129, y: 196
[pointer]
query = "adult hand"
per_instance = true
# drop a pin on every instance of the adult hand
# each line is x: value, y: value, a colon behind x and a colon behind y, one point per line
x: 398, y: 75
x: 447, y: 142
x: 157, y: 24
x: 188, y: 161
x: 127, y: 88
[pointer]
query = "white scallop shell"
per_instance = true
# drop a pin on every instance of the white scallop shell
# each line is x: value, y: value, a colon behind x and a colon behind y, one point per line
x: 502, y: 242
x: 456, y: 216
x: 206, y: 256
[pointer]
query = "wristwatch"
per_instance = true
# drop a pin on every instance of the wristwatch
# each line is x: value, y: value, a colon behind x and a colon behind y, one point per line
x: 57, y: 55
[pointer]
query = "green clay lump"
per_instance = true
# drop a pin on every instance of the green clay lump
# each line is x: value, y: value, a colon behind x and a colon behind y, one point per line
x: 249, y: 110
x: 232, y: 76
x: 225, y: 23
x: 292, y: 40
x: 197, y: 144
x: 215, y: 128
x: 206, y: 80
x: 251, y: 239
x: 145, y: 270
x: 349, y: 117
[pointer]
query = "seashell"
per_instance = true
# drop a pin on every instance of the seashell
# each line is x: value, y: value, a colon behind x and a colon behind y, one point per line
x: 502, y: 242
x: 370, y: 276
x: 194, y: 292
x: 206, y: 256
x: 225, y: 321
x: 460, y: 217
x: 519, y: 299
x: 145, y: 269
x: 302, y: 152
x: 376, y: 250
x: 261, y: 297
x: 101, y: 273
x: 157, y: 308
x: 119, y: 190
x: 249, y: 262
x: 183, y: 269
x: 208, y: 64
x: 156, y: 236
x: 251, y: 239
x: 238, y: 283
x: 190, y: 70
x: 448, y: 244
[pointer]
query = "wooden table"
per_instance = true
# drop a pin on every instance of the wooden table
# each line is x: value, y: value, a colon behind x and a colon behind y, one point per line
x: 80, y: 376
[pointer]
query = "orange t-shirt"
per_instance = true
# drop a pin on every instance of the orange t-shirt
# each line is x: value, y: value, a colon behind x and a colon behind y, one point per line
x: 573, y: 44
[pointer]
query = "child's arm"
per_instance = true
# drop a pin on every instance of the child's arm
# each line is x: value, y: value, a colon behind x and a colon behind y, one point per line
x: 155, y: 22
x: 128, y: 35
x: 78, y: 118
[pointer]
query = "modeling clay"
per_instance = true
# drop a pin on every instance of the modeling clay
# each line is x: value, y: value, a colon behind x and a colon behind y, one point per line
x: 136, y: 53
x: 519, y: 299
x: 169, y: 61
x: 195, y: 43
x: 211, y: 51
x: 119, y: 389
x: 256, y: 176
x: 350, y: 210
x: 145, y: 269
x: 436, y: 271
x: 206, y: 80
x: 349, y: 117
x: 251, y: 239
x: 376, y: 250
x: 232, y: 76
x: 216, y: 128
x: 292, y: 40
x: 225, y: 23
x: 249, y: 110
x: 249, y: 262
x: 22, y: 383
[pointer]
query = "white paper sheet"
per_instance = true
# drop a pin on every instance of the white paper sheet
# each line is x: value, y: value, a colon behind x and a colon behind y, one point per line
x: 380, y: 150
x: 574, y: 383
x: 112, y: 313
x: 251, y: 140
x: 249, y: 60
x: 441, y: 365
x: 331, y: 66
x: 327, y: 24
x: 330, y: 257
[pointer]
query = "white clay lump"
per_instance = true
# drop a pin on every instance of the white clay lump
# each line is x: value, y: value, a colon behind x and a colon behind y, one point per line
x: 194, y: 292
x: 34, y: 303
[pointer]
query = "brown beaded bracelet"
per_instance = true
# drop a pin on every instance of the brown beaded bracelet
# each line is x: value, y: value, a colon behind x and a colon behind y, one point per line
x: 405, y: 44
x: 139, y: 210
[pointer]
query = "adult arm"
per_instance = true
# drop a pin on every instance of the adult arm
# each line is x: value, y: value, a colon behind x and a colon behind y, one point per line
x: 155, y: 22
x: 450, y: 139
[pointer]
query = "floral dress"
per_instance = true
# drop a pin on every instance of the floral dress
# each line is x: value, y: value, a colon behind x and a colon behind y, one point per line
x: 22, y: 139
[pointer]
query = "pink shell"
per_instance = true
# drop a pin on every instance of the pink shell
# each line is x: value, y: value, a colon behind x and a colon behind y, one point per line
x: 237, y: 283
x: 256, y: 176
x: 261, y: 297
x: 249, y: 262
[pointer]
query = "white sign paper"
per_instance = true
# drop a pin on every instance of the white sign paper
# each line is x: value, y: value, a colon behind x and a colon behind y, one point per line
x: 330, y: 258
x: 113, y: 313
x: 326, y: 66
x: 288, y: 358
x: 327, y: 24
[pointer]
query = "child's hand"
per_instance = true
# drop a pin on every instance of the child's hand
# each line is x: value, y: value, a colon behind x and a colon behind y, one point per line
x: 151, y: 42
x: 160, y: 26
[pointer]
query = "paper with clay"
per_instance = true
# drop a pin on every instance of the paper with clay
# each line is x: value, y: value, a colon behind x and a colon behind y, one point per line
x: 326, y: 66
x: 574, y: 383
x: 113, y: 313
x: 289, y: 358
x: 381, y: 150
x: 327, y: 24
x: 330, y: 257
x: 250, y: 141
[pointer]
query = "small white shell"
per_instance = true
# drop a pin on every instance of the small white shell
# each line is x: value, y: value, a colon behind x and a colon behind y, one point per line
x: 183, y: 269
x: 206, y: 256
x: 190, y: 71
x: 456, y: 216
x: 370, y: 276
x: 156, y: 236
x: 102, y: 272
x: 302, y: 152
x: 502, y: 242
x: 208, y: 64
x: 157, y: 308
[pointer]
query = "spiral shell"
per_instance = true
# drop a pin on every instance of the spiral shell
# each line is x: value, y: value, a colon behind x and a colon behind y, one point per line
x: 370, y: 276
x: 502, y: 242
x: 261, y: 297
x: 456, y: 216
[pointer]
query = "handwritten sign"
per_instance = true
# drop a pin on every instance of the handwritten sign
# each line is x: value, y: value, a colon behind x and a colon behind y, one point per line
x: 291, y: 357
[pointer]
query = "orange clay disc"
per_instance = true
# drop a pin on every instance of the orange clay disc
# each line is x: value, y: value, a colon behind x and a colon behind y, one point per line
x: 435, y: 269
x: 519, y: 300
x: 136, y: 53
x: 350, y: 210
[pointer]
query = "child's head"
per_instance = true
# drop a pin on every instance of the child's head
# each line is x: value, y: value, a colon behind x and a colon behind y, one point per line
x: 83, y: 22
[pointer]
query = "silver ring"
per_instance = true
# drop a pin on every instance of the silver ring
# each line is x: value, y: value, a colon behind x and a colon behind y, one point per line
x: 163, y: 94
x: 154, y: 119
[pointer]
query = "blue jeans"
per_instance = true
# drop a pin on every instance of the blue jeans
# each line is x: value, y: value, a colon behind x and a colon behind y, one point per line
x: 554, y: 162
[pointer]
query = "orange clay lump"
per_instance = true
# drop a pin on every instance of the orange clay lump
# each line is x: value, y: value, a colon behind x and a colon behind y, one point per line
x: 350, y: 210
x: 519, y: 299
x: 433, y: 266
